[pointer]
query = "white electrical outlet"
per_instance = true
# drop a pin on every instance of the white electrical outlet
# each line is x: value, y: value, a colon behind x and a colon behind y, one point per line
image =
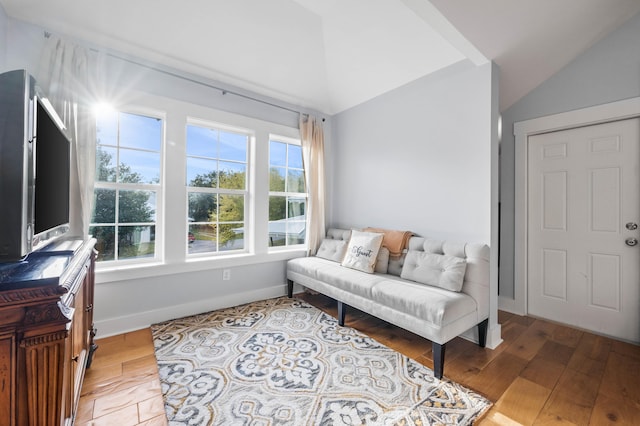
x: 226, y: 274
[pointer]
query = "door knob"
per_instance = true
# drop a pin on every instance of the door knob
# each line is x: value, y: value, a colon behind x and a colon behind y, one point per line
x: 631, y: 242
x: 631, y: 226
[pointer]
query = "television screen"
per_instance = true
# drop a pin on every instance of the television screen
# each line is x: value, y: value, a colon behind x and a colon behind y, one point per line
x: 52, y: 167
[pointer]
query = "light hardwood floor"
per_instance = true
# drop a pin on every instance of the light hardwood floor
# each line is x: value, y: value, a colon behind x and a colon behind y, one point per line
x: 542, y: 374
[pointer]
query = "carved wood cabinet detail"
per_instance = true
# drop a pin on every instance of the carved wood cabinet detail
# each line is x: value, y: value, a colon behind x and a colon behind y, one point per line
x: 46, y: 333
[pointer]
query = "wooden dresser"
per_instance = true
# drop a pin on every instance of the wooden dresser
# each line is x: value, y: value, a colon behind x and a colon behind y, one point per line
x: 46, y: 333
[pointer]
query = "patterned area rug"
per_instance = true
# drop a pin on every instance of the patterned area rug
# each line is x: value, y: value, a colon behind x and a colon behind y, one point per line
x: 285, y: 362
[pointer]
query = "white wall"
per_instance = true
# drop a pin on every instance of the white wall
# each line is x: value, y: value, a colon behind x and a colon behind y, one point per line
x: 133, y: 304
x: 418, y: 158
x: 607, y: 72
x: 24, y: 46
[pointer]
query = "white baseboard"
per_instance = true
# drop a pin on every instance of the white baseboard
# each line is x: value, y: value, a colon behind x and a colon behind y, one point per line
x: 112, y: 326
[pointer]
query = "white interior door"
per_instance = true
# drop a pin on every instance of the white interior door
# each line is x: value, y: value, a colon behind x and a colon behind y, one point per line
x: 583, y: 207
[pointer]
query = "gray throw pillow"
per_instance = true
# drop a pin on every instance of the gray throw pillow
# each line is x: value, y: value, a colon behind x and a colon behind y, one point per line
x: 332, y: 249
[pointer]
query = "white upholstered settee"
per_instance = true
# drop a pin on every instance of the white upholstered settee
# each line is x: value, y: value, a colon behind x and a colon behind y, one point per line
x: 435, y: 313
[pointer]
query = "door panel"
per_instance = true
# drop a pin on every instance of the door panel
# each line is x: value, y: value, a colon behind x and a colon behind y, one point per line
x: 554, y: 278
x: 583, y: 189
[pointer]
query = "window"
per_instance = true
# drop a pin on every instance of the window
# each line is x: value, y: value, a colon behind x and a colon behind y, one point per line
x: 216, y: 189
x: 176, y: 188
x: 287, y: 193
x: 127, y: 185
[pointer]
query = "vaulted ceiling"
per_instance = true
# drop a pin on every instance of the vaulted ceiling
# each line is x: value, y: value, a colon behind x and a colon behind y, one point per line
x: 331, y: 55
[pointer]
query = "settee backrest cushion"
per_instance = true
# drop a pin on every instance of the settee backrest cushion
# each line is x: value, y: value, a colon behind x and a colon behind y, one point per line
x: 476, y: 276
x: 396, y: 264
x: 382, y: 261
x: 439, y: 270
x: 339, y: 234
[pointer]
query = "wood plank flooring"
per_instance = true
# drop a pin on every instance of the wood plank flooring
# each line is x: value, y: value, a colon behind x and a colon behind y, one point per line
x: 542, y: 374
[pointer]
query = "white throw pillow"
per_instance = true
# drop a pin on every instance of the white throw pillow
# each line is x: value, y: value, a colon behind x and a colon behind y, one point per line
x: 332, y: 249
x: 362, y: 251
x: 437, y: 270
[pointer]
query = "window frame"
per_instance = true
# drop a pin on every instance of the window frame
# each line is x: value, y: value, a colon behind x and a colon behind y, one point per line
x: 296, y: 142
x: 248, y: 206
x: 157, y: 188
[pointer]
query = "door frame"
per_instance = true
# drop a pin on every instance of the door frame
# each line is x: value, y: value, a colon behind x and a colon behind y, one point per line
x: 619, y: 110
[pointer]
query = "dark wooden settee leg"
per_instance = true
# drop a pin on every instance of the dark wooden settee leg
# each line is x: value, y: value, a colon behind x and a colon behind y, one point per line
x: 290, y: 288
x: 438, y: 359
x: 482, y: 333
x: 342, y: 310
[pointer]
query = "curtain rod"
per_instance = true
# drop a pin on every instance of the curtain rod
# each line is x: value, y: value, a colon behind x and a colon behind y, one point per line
x: 47, y: 34
x: 202, y: 83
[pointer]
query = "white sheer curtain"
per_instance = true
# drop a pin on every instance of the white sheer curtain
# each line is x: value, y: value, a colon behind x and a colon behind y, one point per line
x: 312, y: 136
x: 67, y: 75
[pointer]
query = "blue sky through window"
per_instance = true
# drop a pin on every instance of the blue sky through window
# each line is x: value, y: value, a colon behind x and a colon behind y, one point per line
x: 277, y: 154
x: 202, y: 142
x: 295, y: 156
x: 138, y: 131
x: 213, y: 150
x: 131, y: 140
x: 213, y: 143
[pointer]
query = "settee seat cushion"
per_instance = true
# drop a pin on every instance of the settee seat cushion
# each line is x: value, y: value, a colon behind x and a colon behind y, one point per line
x: 437, y: 306
x: 349, y: 280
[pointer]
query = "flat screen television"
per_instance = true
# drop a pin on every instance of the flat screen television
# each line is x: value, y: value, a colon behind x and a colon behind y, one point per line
x: 35, y: 161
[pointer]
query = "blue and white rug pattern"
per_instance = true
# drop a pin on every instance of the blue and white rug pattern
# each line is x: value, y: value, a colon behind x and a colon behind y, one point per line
x: 284, y: 362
